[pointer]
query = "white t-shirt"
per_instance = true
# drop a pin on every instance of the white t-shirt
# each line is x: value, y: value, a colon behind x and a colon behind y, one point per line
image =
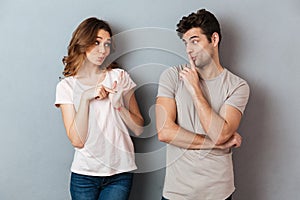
x: 200, y: 174
x: 108, y: 149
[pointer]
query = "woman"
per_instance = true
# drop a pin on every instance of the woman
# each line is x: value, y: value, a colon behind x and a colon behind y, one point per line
x: 97, y: 105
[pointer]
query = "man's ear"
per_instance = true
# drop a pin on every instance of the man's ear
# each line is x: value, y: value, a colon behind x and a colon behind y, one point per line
x: 215, y: 38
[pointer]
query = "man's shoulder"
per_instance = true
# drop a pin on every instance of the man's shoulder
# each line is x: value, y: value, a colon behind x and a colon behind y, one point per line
x: 234, y: 78
x: 237, y: 84
x: 174, y: 69
x: 169, y: 80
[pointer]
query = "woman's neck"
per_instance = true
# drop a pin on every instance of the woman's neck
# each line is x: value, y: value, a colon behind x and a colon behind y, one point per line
x: 90, y: 74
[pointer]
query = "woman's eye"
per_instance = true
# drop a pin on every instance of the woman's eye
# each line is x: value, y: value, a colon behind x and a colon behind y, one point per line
x: 97, y: 43
x: 107, y: 44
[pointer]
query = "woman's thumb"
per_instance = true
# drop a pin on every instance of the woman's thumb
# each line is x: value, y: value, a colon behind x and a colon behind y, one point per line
x: 114, y: 85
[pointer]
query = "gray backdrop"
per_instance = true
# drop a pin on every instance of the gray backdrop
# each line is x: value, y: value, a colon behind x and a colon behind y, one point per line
x: 260, y: 43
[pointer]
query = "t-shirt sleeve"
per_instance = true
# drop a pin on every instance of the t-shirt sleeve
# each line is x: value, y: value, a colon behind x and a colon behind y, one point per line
x: 64, y: 93
x: 239, y: 96
x: 131, y: 84
x: 168, y: 83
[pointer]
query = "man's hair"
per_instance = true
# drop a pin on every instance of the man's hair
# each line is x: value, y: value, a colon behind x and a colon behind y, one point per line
x: 201, y: 19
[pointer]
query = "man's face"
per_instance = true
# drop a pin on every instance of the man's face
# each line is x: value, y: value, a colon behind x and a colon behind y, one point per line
x: 198, y: 47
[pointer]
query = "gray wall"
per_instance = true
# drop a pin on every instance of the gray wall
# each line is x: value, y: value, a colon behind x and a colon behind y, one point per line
x: 260, y: 44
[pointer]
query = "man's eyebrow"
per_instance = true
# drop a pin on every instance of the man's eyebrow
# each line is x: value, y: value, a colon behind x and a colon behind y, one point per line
x: 195, y: 36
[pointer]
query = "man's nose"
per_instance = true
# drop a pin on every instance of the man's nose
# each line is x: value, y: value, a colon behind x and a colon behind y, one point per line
x: 189, y: 49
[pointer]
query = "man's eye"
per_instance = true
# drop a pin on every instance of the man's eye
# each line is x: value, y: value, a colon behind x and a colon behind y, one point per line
x: 195, y: 41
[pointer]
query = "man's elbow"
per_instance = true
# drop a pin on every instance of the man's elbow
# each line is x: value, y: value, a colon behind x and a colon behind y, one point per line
x: 163, y: 136
x: 222, y: 139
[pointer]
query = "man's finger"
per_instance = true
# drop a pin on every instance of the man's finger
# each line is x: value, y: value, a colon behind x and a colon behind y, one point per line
x: 192, y: 63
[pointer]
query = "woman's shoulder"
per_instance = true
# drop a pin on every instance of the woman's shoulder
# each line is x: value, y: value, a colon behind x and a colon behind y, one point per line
x: 117, y: 71
x: 66, y: 82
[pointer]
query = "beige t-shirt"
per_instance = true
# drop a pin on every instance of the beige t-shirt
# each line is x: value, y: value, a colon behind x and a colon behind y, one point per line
x: 200, y: 174
x: 108, y: 149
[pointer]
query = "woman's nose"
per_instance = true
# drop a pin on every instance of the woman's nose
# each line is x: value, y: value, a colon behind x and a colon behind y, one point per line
x: 101, y: 48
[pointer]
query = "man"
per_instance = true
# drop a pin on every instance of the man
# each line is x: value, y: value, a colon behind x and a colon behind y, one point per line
x: 198, y: 110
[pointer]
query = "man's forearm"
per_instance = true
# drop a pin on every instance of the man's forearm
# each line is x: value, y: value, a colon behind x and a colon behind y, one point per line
x: 213, y: 124
x: 185, y: 139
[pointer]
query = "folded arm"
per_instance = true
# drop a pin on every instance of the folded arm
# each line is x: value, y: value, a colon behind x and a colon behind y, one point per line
x: 172, y: 133
x: 220, y: 127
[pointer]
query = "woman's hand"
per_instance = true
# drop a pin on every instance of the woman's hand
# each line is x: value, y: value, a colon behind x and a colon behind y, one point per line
x: 118, y: 89
x: 99, y: 92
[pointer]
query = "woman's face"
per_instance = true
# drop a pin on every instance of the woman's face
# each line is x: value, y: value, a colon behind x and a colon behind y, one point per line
x: 97, y: 53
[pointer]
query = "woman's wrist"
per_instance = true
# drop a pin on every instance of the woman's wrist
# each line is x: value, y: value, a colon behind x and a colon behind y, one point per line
x: 118, y: 108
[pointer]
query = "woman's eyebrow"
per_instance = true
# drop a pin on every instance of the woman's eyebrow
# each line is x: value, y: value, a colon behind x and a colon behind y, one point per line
x: 102, y: 38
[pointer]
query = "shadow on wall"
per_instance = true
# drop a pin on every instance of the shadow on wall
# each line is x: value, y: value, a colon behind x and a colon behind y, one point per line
x: 149, y: 152
x: 250, y: 158
x: 229, y: 49
x: 145, y: 53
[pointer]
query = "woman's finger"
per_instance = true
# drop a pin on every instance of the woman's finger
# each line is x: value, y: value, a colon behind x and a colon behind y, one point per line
x: 109, y: 90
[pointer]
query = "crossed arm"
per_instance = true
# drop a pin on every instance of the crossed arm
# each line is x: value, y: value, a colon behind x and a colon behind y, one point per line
x: 172, y: 133
x: 220, y: 127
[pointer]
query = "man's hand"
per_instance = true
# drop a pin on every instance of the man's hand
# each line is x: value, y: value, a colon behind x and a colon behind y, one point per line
x: 234, y: 142
x: 190, y: 77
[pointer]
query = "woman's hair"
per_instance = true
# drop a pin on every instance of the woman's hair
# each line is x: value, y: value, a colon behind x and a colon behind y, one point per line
x: 83, y: 37
x: 202, y: 19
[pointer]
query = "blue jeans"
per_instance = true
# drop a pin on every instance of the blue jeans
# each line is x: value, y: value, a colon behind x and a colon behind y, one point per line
x: 116, y: 187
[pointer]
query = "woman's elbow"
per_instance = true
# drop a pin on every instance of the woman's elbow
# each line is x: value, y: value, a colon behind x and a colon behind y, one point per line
x: 78, y: 145
x: 138, y: 131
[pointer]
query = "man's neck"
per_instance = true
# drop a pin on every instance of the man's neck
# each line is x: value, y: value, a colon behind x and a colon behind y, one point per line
x: 210, y: 71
